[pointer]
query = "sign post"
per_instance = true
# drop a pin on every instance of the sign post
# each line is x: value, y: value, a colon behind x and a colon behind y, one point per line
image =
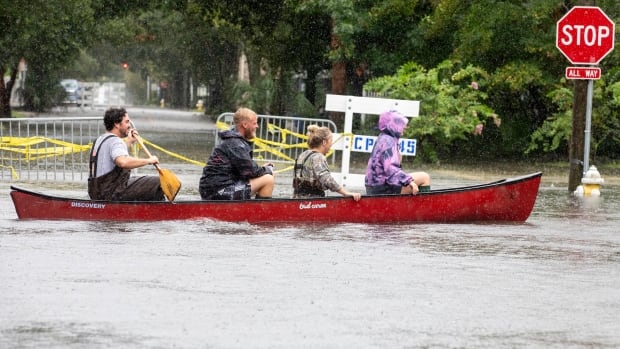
x: 585, y: 35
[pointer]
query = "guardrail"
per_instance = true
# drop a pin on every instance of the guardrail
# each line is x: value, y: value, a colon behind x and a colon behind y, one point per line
x: 57, y: 148
x: 47, y: 149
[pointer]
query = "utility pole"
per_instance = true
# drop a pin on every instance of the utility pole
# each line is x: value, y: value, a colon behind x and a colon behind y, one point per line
x: 576, y: 142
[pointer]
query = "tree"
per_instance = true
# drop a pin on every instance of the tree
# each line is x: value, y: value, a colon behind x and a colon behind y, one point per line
x: 452, y: 102
x: 48, y: 35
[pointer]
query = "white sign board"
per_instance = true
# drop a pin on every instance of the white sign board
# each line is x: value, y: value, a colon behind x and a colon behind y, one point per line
x: 583, y: 73
x: 364, y: 144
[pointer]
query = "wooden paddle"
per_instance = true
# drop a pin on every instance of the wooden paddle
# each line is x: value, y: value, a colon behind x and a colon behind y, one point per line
x: 169, y: 182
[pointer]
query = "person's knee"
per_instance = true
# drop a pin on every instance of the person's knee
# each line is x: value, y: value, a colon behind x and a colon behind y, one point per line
x: 268, y: 181
x: 263, y: 183
x: 270, y: 178
x: 427, y: 179
x: 421, y: 178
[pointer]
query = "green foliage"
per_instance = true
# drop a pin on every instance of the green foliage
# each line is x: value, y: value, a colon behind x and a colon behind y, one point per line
x: 258, y: 97
x: 48, y: 35
x: 437, y: 48
x: 390, y: 35
x: 556, y: 130
x: 347, y: 19
x: 517, y: 91
x: 261, y: 97
x: 452, y: 101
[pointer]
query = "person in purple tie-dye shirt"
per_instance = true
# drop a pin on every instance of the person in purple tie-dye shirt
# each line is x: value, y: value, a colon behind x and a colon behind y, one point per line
x: 384, y: 174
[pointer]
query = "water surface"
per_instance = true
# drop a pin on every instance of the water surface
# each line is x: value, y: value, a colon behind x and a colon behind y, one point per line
x: 550, y: 282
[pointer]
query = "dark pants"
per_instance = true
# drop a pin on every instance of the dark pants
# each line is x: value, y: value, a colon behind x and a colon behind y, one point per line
x: 383, y: 189
x: 239, y: 190
x: 119, y: 186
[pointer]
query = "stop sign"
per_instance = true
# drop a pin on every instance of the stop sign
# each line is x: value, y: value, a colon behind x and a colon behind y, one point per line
x: 585, y: 35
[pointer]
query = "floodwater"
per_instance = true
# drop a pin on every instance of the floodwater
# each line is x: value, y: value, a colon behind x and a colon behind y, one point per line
x: 551, y: 282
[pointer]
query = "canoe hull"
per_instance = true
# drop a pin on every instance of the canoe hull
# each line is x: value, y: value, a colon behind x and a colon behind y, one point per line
x: 509, y: 200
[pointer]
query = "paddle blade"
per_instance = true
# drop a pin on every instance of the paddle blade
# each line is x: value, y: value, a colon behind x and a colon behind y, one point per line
x: 169, y: 182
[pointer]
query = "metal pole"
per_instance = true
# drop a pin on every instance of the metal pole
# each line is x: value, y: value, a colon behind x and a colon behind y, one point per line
x: 346, y: 149
x: 586, y: 145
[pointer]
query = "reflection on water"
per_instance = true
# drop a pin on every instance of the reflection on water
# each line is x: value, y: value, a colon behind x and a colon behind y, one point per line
x: 549, y: 282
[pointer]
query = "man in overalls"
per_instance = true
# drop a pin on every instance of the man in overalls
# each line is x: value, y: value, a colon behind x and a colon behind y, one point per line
x: 110, y: 164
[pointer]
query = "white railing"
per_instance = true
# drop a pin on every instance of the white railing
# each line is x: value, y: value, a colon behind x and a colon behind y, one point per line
x: 47, y: 149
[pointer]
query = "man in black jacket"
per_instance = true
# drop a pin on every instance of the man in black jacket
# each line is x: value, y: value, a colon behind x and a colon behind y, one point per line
x: 231, y: 173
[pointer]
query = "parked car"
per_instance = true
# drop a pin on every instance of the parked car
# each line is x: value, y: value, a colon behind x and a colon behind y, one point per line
x: 72, y: 90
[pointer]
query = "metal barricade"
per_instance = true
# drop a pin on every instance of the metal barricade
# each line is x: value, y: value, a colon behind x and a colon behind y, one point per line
x: 47, y: 149
x: 279, y: 139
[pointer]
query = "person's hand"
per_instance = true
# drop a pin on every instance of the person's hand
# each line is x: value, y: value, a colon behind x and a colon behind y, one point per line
x: 269, y: 168
x: 414, y: 188
x: 132, y: 136
x: 356, y: 196
x: 153, y: 160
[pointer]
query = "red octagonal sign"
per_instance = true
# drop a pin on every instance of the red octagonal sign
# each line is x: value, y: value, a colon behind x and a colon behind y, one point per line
x: 585, y: 35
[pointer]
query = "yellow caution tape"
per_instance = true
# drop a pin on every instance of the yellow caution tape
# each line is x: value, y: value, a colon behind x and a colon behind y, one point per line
x: 13, y: 172
x: 273, y: 147
x: 29, y: 148
x: 174, y: 155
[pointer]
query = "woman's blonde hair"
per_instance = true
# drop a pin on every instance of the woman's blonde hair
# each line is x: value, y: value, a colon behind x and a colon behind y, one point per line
x: 317, y: 134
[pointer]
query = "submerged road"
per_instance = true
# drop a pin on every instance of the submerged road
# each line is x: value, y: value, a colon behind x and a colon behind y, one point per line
x: 146, y: 118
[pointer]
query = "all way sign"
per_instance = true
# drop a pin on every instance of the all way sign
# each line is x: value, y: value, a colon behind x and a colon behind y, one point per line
x: 583, y: 73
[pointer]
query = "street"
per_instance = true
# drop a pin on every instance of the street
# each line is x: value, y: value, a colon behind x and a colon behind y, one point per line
x: 145, y: 118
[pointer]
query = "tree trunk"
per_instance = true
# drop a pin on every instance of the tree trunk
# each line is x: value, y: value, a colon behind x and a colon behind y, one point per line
x: 310, y: 91
x: 5, y: 94
x: 339, y: 76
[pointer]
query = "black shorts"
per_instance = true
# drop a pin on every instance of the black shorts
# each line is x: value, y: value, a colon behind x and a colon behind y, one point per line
x: 240, y: 190
x: 384, y: 189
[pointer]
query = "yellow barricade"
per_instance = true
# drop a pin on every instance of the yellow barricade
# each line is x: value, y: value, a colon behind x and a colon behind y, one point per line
x: 29, y: 148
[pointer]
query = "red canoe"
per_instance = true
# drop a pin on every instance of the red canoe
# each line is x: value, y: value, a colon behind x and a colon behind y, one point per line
x: 507, y: 200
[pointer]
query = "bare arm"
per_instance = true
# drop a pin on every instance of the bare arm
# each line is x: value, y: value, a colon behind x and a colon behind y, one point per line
x: 344, y: 192
x: 130, y: 162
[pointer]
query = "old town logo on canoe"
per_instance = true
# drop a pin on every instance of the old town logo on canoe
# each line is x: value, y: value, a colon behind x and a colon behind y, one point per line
x: 310, y: 205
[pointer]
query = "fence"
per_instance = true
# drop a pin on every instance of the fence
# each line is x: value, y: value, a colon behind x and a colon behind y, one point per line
x: 56, y: 149
x: 47, y: 149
